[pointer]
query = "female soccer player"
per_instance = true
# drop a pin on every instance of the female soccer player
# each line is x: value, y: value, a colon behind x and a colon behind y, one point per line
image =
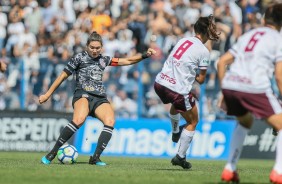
x: 173, y: 84
x: 90, y: 96
x: 246, y: 87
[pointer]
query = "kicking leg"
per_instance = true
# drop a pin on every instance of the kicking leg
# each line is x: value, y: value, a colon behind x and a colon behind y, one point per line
x: 79, y: 116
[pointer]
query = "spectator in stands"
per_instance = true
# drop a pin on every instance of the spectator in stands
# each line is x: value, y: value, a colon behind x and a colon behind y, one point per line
x: 174, y: 83
x: 246, y: 87
x: 90, y: 94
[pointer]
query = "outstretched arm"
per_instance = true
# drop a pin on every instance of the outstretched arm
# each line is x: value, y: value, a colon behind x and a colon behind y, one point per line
x: 63, y: 76
x: 135, y: 59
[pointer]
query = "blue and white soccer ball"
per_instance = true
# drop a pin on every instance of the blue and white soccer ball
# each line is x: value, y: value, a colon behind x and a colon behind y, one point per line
x: 67, y: 154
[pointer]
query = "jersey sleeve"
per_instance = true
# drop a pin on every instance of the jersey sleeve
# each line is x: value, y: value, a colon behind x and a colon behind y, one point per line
x: 204, y: 61
x: 73, y: 64
x: 234, y: 49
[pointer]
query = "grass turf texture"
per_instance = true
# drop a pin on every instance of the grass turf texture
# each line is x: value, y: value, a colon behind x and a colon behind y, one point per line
x: 23, y: 167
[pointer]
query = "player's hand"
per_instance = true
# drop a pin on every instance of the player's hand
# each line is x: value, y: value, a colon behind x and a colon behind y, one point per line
x: 151, y: 52
x: 43, y: 98
x: 221, y: 103
x: 3, y: 66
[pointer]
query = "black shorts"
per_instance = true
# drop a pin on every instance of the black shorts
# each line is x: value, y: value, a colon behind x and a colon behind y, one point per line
x: 94, y: 101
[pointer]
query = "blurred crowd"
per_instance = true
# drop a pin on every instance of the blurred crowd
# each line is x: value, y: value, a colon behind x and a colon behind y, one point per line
x: 37, y: 37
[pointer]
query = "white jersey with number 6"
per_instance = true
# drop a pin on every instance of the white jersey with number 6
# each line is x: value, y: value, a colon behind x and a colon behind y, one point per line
x: 179, y: 70
x: 256, y: 53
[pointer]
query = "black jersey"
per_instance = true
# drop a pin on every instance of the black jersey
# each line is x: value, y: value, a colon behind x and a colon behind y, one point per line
x: 89, y: 72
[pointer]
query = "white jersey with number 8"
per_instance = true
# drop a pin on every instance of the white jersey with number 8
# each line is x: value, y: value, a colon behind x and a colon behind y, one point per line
x: 179, y: 70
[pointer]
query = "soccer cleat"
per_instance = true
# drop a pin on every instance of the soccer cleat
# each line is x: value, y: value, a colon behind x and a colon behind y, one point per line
x: 45, y: 161
x: 96, y: 161
x: 48, y: 158
x: 275, y: 177
x: 177, y: 160
x: 274, y: 132
x: 176, y: 136
x: 230, y: 176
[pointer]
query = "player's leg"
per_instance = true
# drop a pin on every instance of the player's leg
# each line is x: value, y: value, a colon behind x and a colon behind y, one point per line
x: 243, y: 126
x: 276, y: 174
x: 105, y: 114
x: 186, y: 137
x: 174, y: 119
x: 79, y: 115
x: 167, y: 96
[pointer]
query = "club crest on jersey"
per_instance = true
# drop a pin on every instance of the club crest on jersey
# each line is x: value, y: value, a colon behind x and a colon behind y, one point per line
x: 88, y: 88
x: 102, y: 63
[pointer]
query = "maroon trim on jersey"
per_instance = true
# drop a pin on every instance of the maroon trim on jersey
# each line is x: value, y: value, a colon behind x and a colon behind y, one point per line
x: 177, y: 100
x: 239, y: 103
x: 114, y: 62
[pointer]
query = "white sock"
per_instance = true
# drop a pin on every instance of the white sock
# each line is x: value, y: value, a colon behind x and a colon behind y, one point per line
x: 236, y: 146
x: 185, y: 140
x: 278, y: 160
x: 174, y: 119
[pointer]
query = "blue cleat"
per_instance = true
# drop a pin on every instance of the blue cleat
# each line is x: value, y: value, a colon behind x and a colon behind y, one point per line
x: 96, y: 161
x: 48, y: 158
x: 45, y: 161
x: 100, y: 163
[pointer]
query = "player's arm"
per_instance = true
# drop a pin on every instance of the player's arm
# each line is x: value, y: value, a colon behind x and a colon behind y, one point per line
x: 278, y: 75
x: 3, y: 66
x: 200, y: 78
x: 225, y: 59
x: 63, y: 76
x: 134, y: 59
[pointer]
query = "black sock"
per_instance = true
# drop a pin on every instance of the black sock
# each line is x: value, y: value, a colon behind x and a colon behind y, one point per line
x: 66, y: 133
x: 103, y: 140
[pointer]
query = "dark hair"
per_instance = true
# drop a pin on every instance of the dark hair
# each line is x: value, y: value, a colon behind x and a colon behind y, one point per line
x: 206, y: 26
x: 94, y: 36
x: 273, y: 15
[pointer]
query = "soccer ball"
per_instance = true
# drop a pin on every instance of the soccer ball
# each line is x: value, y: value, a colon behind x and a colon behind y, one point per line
x: 67, y: 154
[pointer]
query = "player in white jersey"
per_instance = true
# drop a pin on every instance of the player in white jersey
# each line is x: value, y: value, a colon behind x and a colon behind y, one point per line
x: 173, y: 84
x: 247, y: 89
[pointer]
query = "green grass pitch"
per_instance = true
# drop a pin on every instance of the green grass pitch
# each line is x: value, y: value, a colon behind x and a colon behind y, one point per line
x: 23, y: 167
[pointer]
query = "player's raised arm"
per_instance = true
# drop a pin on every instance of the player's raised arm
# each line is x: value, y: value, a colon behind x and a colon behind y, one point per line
x: 135, y: 59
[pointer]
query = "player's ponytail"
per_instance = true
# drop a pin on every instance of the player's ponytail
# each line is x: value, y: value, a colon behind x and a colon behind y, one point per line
x: 206, y: 26
x: 94, y: 36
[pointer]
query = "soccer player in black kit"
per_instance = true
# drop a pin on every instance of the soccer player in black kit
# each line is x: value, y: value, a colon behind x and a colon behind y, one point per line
x: 90, y: 95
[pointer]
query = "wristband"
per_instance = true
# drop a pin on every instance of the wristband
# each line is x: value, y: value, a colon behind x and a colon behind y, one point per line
x: 144, y: 55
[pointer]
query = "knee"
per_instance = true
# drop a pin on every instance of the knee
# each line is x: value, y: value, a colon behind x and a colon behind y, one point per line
x: 192, y: 125
x: 79, y: 120
x: 109, y: 121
